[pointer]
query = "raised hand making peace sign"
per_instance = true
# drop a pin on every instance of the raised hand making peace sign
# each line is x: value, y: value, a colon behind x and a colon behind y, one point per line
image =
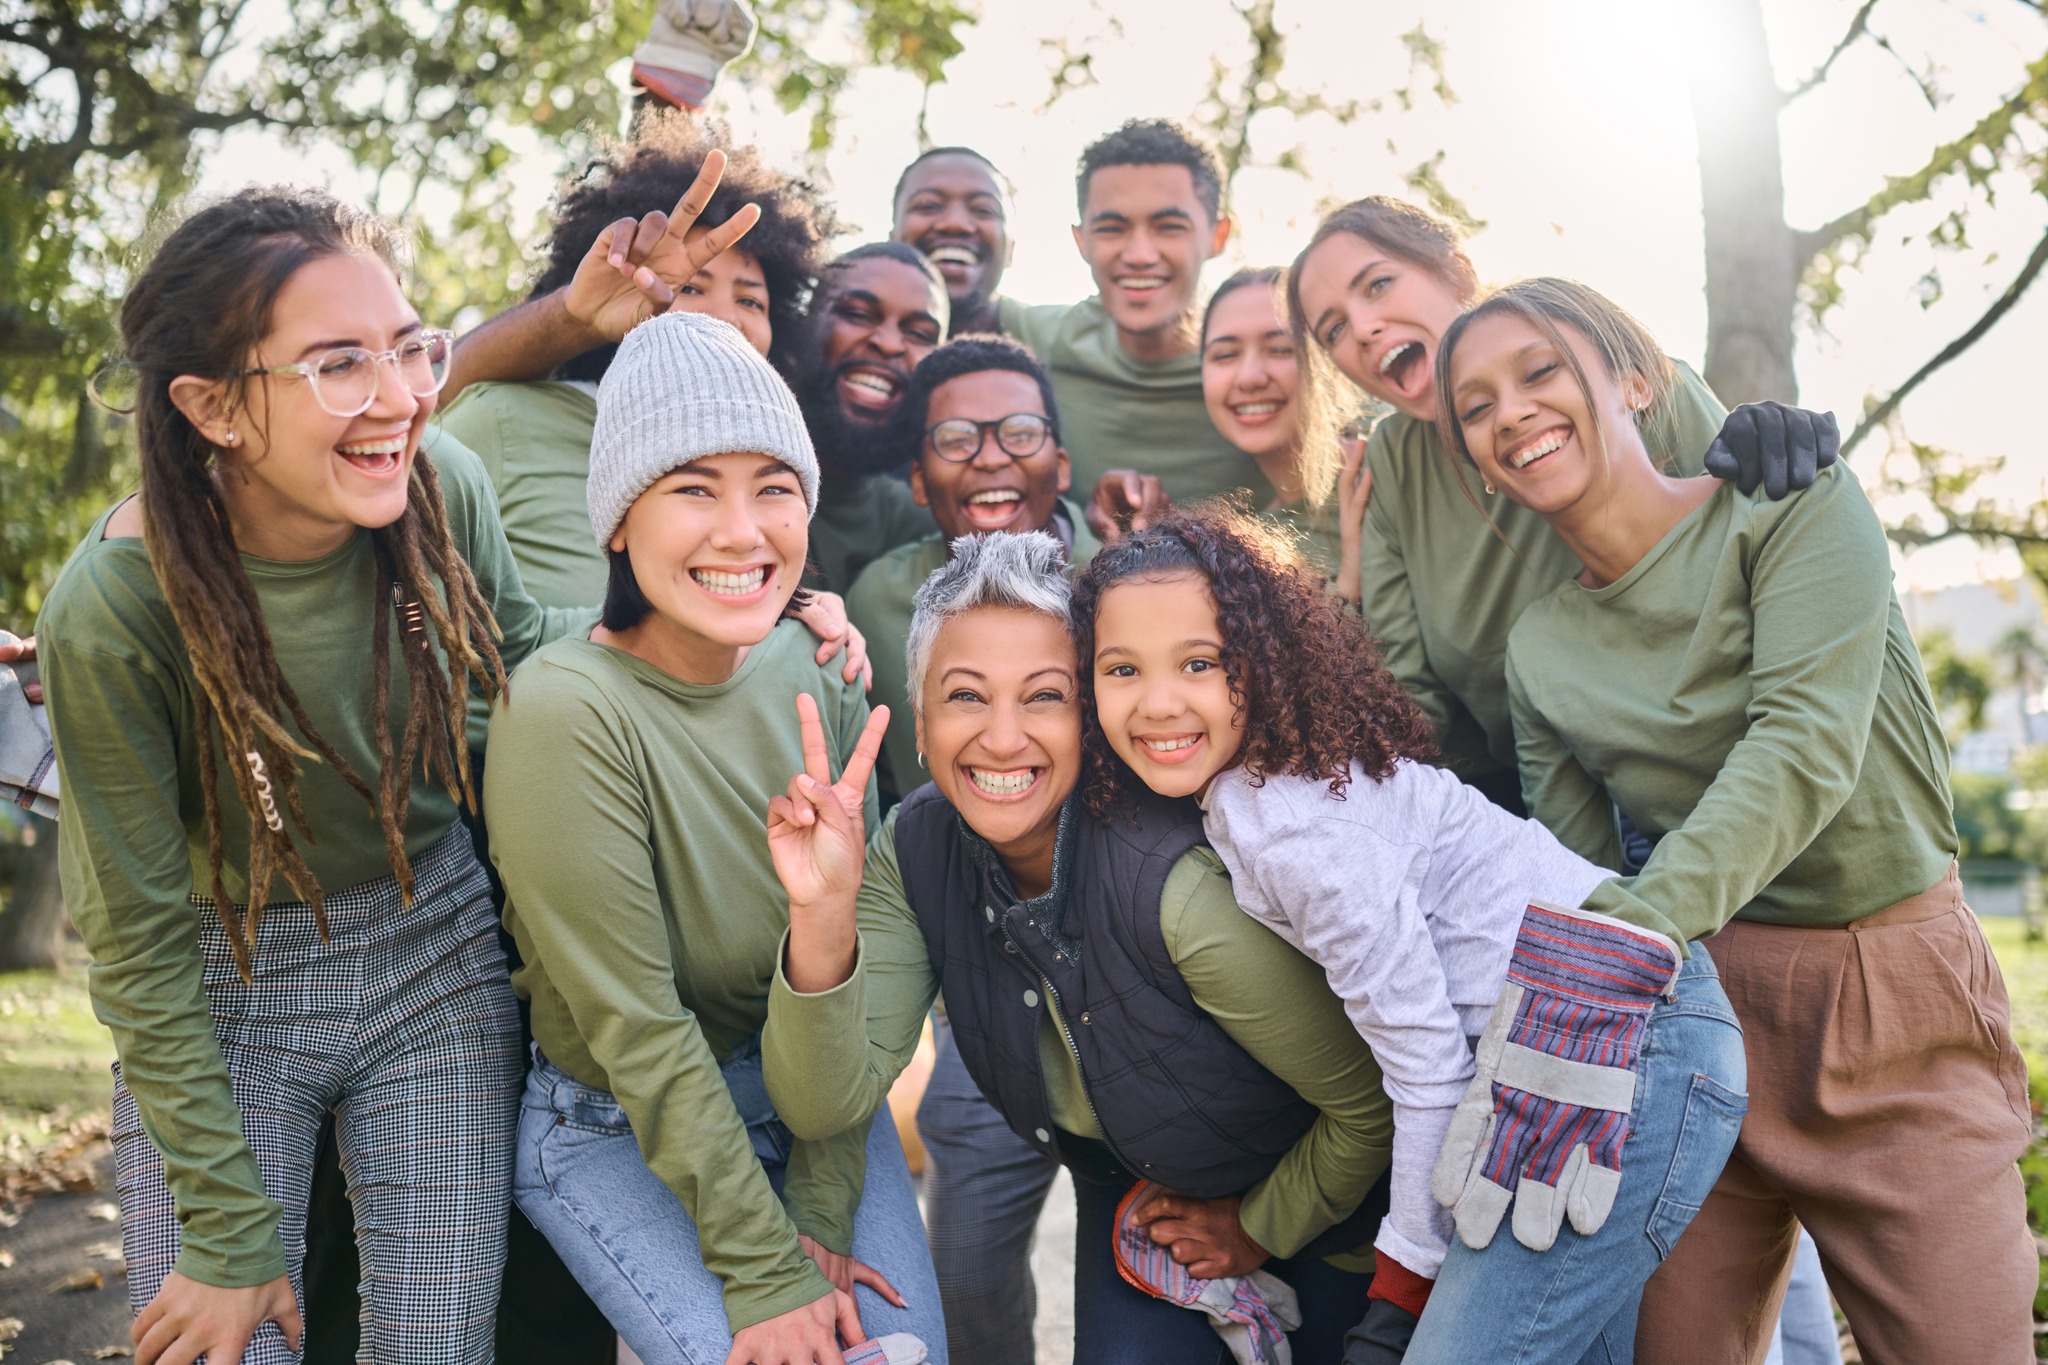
x: 815, y: 831
x: 634, y: 268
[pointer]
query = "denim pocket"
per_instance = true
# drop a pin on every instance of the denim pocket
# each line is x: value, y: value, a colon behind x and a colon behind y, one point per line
x: 1713, y: 1117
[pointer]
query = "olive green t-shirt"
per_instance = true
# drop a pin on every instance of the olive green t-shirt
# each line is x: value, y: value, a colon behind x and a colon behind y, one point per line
x: 1120, y: 413
x: 133, y: 841
x: 1749, y: 695
x: 858, y: 522
x: 534, y: 441
x: 832, y: 1056
x: 627, y: 817
x: 879, y: 605
x: 1443, y: 587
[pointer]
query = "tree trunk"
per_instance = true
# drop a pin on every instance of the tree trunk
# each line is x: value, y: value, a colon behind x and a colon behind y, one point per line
x: 32, y: 925
x: 1751, y: 254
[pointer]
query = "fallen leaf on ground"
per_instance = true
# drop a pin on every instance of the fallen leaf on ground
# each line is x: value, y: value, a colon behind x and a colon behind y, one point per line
x: 6, y: 1259
x: 10, y: 1328
x: 104, y: 1211
x: 78, y: 1282
x: 112, y: 1353
x: 104, y: 1251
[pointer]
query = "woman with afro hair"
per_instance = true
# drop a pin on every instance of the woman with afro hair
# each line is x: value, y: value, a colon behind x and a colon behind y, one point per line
x: 528, y: 378
x: 1513, y: 1034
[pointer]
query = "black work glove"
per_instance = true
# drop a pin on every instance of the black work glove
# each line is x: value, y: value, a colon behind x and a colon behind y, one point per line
x: 1382, y: 1338
x: 1780, y: 447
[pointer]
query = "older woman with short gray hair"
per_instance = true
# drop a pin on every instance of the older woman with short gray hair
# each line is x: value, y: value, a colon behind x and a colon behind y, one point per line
x: 1108, y: 996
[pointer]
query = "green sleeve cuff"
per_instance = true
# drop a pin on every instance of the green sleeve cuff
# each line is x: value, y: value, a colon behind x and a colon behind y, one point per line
x: 234, y: 1269
x: 746, y: 1305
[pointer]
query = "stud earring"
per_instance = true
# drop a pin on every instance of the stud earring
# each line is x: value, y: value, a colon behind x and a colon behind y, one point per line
x: 234, y: 438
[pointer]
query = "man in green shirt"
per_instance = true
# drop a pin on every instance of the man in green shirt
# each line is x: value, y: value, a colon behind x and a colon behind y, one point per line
x: 879, y: 310
x: 1125, y: 363
x: 988, y: 459
x: 954, y: 206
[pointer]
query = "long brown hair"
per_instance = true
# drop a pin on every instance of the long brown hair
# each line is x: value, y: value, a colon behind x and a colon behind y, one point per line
x: 201, y: 307
x: 1318, y: 412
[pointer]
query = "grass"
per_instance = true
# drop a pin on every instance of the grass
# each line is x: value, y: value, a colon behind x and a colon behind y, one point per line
x: 53, y: 1055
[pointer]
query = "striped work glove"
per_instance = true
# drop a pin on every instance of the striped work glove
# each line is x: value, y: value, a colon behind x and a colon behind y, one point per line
x: 1543, y: 1121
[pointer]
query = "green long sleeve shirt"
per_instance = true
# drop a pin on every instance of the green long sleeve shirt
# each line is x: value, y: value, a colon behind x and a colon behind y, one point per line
x: 132, y: 844
x: 625, y: 810
x: 534, y: 441
x: 1120, y: 413
x: 1749, y: 695
x: 879, y: 605
x: 1442, y: 589
x: 832, y: 1056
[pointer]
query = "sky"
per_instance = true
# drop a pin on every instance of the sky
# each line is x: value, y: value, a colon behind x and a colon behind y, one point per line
x: 1571, y: 138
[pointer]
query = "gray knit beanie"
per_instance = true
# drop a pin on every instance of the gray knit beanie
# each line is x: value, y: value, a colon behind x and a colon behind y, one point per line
x: 682, y: 387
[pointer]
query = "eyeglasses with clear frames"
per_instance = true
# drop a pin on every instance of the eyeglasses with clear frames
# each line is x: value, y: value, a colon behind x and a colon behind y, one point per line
x: 344, y: 380
x: 1020, y: 436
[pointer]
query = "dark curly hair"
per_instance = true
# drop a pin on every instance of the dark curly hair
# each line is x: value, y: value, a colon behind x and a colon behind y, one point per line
x: 1154, y: 142
x: 1304, y: 674
x: 649, y: 173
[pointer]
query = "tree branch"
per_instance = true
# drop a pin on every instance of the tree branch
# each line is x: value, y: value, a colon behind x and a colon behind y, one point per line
x: 1857, y: 28
x: 2000, y: 306
x: 1927, y: 90
x: 1991, y: 130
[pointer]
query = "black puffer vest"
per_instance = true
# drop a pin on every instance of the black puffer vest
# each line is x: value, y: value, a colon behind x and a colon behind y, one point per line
x: 1177, y: 1099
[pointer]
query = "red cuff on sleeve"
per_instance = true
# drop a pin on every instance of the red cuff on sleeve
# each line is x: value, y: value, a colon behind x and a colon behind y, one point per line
x: 1397, y: 1284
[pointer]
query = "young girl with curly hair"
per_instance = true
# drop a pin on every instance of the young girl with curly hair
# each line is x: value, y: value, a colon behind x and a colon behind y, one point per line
x: 1219, y: 669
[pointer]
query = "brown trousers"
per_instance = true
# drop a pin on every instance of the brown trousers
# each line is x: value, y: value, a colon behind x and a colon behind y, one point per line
x: 1887, y: 1106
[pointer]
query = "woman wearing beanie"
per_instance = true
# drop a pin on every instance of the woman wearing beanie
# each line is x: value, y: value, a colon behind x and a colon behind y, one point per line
x: 646, y: 907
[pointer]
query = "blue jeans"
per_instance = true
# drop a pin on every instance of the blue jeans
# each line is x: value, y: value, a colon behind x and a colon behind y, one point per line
x: 984, y: 1189
x: 633, y: 1246
x: 1576, y: 1302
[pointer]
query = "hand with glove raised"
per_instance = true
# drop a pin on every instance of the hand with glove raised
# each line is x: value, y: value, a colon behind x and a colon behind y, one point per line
x: 687, y: 46
x: 1783, y: 448
x: 1543, y: 1122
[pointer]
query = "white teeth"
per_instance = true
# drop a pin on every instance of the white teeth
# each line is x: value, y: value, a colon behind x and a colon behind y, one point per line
x: 995, y: 495
x: 1521, y: 459
x: 1394, y: 353
x: 1167, y: 746
x: 730, y: 584
x: 391, y: 448
x: 1142, y: 282
x: 873, y: 383
x: 1003, y: 784
x: 952, y: 255
x: 1256, y: 409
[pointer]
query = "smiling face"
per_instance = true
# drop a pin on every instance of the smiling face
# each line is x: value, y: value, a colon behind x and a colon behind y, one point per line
x: 1145, y: 235
x: 1249, y: 372
x: 1000, y: 726
x: 733, y: 289
x: 1531, y: 430
x: 1162, y: 696
x: 994, y: 491
x: 881, y: 317
x: 297, y: 480
x: 953, y: 211
x: 1380, y: 317
x: 717, y: 547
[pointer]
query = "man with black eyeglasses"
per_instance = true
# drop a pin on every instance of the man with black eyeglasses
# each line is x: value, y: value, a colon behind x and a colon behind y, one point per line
x: 979, y: 425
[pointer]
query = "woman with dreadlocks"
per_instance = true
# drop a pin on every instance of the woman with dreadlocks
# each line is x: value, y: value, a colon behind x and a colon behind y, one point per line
x: 257, y: 671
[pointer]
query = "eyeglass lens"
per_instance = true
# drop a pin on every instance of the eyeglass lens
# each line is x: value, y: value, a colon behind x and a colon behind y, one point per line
x: 345, y: 380
x: 1019, y: 435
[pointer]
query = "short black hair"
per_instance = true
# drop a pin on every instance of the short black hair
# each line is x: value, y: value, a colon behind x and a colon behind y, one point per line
x: 1155, y: 142
x: 970, y: 354
x: 896, y: 251
x: 650, y: 173
x: 995, y: 174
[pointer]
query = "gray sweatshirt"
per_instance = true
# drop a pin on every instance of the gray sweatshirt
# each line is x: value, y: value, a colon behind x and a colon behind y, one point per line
x: 1408, y: 894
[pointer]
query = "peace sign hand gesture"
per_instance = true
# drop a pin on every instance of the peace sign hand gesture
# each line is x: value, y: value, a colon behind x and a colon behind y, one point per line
x: 817, y: 839
x: 634, y: 268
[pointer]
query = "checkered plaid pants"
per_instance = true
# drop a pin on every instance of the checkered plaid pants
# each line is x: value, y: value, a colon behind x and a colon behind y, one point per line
x: 404, y: 1026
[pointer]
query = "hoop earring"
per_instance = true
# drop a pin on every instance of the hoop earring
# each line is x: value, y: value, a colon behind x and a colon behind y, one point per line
x: 920, y: 760
x: 1490, y: 489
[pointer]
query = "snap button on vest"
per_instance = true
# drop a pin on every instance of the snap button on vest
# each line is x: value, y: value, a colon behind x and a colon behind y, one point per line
x: 990, y: 911
x: 1031, y: 1000
x: 1041, y: 1135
